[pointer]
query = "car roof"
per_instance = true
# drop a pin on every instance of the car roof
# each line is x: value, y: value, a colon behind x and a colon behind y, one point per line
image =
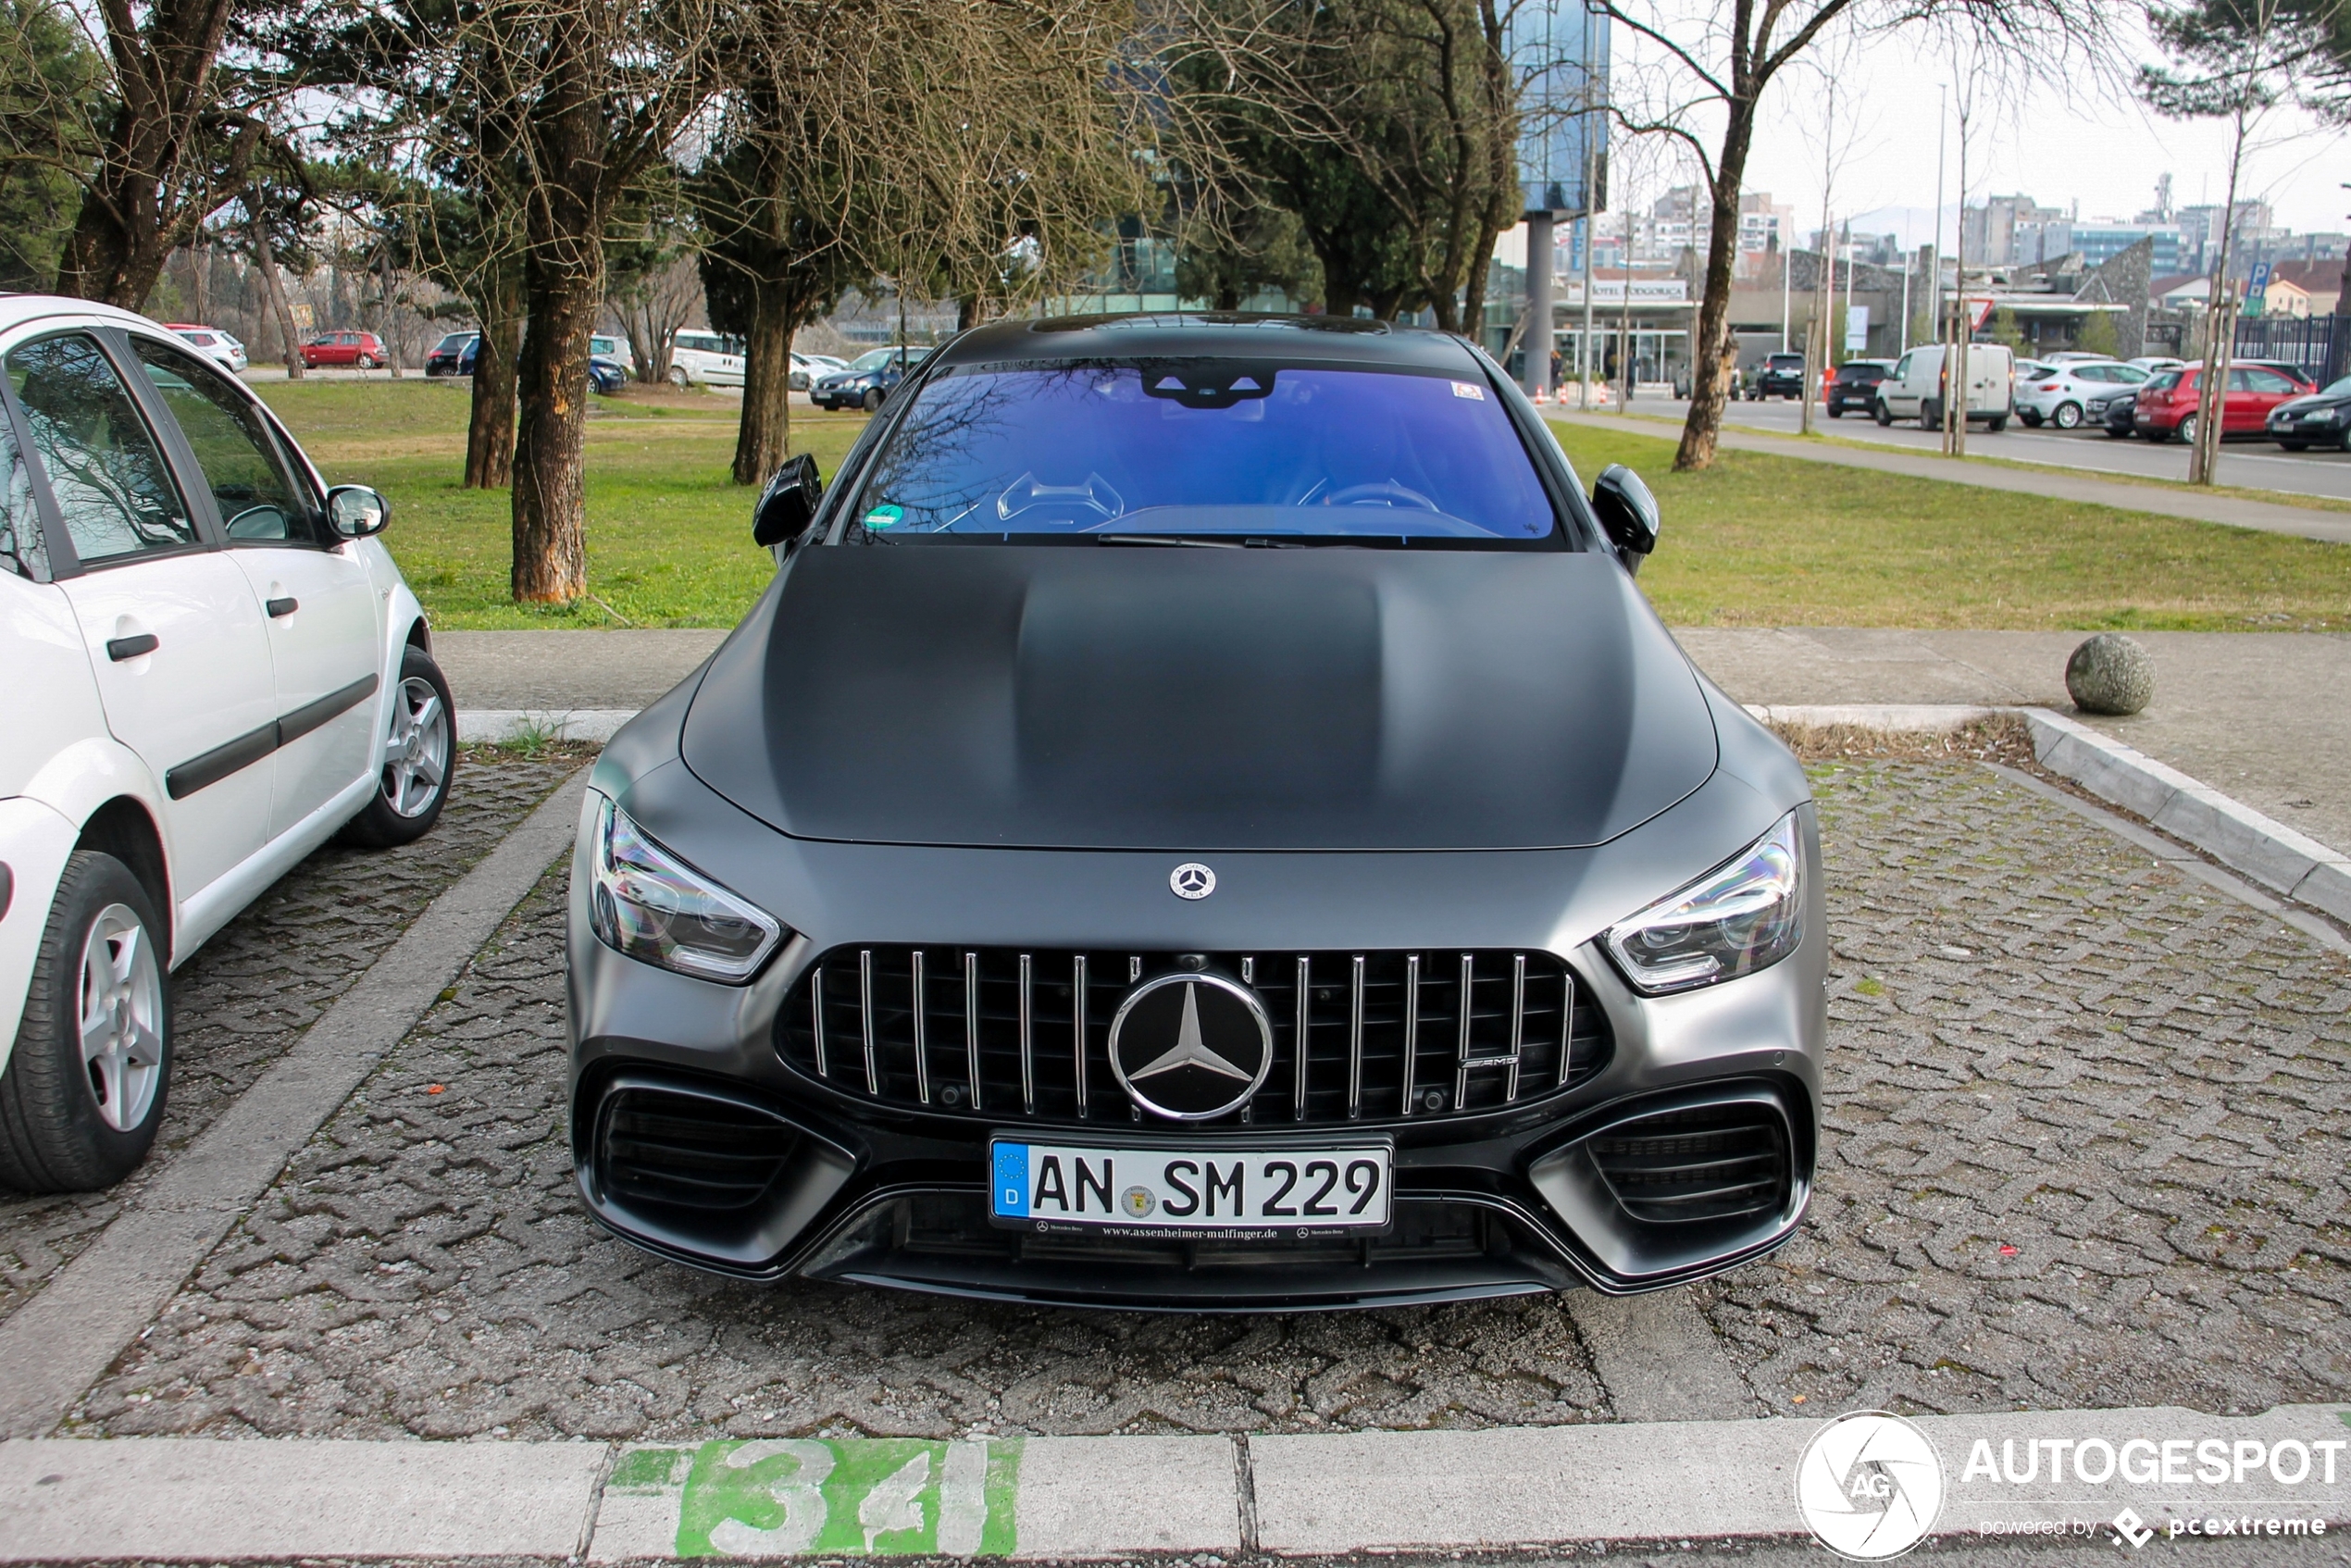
x: 18, y: 309
x: 1210, y: 334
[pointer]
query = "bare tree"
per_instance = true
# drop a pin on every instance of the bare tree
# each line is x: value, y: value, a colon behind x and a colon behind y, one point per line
x: 1717, y: 63
x: 653, y: 309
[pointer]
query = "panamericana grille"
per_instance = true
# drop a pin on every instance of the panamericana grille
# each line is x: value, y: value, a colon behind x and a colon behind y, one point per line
x: 1707, y: 1162
x: 1000, y: 1033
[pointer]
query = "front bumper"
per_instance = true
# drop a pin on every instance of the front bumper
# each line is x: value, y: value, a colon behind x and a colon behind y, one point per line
x: 821, y: 1179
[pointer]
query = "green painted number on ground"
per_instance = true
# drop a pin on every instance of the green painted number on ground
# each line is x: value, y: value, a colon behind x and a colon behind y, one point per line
x: 867, y: 1496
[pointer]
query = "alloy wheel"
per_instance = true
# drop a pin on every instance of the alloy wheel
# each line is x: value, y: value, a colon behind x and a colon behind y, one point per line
x: 119, y: 1017
x: 416, y: 752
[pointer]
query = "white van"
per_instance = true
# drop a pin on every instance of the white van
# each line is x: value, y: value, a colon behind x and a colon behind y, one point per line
x: 1914, y: 390
x: 706, y: 359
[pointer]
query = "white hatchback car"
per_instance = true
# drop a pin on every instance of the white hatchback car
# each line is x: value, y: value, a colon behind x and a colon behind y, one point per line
x: 2060, y: 394
x: 214, y: 667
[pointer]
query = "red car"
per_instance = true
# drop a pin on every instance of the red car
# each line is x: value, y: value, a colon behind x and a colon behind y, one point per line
x: 2167, y: 404
x: 363, y: 349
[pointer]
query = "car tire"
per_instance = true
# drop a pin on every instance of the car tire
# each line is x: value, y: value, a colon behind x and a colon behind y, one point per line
x: 2067, y: 416
x: 420, y: 758
x: 80, y: 1105
x: 872, y: 401
x: 2032, y: 420
x: 2296, y: 446
x: 366, y: 362
x: 1996, y: 426
x: 1883, y: 414
x: 1930, y: 414
x: 679, y: 378
x: 1836, y: 411
x: 2185, y: 429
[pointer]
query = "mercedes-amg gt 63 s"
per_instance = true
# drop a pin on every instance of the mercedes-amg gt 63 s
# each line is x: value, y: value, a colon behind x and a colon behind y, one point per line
x: 1202, y: 819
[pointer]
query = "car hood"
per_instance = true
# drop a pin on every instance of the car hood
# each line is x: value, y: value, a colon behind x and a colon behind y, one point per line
x: 2309, y: 401
x: 1134, y: 697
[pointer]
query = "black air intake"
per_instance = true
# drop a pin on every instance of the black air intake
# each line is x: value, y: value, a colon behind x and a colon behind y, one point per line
x: 682, y: 1150
x: 1710, y: 1162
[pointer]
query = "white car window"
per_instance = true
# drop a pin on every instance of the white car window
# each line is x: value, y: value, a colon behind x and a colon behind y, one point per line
x: 113, y: 491
x: 256, y: 496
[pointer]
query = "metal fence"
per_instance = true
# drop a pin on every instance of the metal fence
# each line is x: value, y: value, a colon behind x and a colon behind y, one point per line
x: 2316, y: 346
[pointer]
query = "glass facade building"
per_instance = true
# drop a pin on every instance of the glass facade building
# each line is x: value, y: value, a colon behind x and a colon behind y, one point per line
x: 1561, y: 50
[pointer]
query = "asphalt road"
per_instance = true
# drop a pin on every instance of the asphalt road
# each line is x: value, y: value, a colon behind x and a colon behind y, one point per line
x: 2255, y: 465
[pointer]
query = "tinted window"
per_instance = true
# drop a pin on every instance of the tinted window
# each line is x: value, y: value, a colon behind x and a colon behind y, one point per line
x: 114, y: 494
x: 2268, y: 381
x: 257, y: 497
x: 2339, y: 389
x: 1255, y: 449
x: 2163, y: 380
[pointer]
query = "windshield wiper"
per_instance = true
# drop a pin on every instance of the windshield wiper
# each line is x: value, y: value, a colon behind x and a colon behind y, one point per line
x: 1177, y: 539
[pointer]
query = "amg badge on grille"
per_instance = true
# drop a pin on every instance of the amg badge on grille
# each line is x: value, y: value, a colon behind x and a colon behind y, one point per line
x: 1192, y: 1046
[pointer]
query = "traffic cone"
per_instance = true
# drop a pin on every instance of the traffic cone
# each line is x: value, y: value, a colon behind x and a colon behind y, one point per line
x: 1542, y: 396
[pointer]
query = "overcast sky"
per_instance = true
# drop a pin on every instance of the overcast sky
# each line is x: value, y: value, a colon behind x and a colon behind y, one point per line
x: 2083, y: 141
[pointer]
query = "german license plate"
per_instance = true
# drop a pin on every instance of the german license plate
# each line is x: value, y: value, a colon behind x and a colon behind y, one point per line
x: 1304, y: 1192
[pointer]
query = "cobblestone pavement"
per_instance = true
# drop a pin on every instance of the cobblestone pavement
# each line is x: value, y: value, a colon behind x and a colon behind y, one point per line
x: 2087, y: 1139
x: 2044, y: 1041
x: 249, y: 993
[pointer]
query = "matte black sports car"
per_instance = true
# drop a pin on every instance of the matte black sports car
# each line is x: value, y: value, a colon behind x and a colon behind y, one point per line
x: 1204, y: 819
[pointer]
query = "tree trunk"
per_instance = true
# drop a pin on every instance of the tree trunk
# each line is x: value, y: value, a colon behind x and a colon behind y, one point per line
x: 764, y: 438
x: 562, y: 294
x: 274, y: 287
x: 489, y: 434
x: 1712, y: 369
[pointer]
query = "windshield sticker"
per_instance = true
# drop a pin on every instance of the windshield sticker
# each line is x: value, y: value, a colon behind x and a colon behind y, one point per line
x: 884, y: 516
x: 1470, y: 390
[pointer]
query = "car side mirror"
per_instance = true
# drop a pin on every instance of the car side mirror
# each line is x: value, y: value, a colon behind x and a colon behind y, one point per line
x: 355, y: 512
x: 787, y: 504
x: 1627, y: 513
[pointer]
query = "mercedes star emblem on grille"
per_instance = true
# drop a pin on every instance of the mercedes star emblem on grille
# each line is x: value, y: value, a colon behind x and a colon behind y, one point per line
x: 1191, y: 1047
x: 1192, y: 880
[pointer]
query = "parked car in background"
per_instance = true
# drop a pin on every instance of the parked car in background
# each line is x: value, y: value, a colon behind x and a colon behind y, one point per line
x: 2059, y: 394
x: 2320, y: 419
x: 2073, y: 357
x: 605, y: 345
x: 214, y: 667
x: 454, y: 355
x: 362, y: 349
x: 2167, y: 404
x: 2154, y: 362
x: 2112, y: 410
x: 1780, y: 375
x: 867, y: 380
x: 1855, y: 386
x: 217, y: 345
x: 807, y: 367
x: 1918, y: 386
x: 706, y: 359
x: 606, y: 376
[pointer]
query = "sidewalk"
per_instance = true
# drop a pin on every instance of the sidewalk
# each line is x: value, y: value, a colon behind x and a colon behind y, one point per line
x: 2047, y: 484
x: 2263, y: 715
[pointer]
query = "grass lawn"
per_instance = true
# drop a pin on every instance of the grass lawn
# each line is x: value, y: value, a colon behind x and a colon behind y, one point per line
x: 1756, y: 541
x: 668, y: 533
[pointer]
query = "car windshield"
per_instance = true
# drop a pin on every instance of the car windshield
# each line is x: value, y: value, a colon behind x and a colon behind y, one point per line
x: 2163, y: 380
x: 873, y: 360
x: 2337, y: 388
x: 1787, y: 362
x: 455, y: 342
x: 1238, y: 451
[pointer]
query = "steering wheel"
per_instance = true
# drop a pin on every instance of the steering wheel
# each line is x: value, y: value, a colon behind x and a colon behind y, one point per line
x: 1385, y: 493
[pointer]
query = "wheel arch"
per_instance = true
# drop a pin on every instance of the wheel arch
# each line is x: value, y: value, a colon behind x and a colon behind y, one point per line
x: 124, y: 828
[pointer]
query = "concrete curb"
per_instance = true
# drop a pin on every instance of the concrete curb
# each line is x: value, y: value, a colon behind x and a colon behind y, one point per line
x: 2002, y: 1474
x: 2240, y: 838
x: 492, y: 724
x: 1900, y: 718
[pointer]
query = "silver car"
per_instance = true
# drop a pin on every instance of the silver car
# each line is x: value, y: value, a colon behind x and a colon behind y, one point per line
x: 1203, y: 819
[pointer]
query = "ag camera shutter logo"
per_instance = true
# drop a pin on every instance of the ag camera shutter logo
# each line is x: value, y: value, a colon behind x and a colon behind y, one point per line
x: 1870, y: 1486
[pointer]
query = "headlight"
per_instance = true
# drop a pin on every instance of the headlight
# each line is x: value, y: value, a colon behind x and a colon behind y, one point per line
x: 1745, y: 915
x: 650, y: 905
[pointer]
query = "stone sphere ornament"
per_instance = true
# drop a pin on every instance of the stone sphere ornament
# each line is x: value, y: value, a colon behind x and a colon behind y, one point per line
x: 2110, y: 673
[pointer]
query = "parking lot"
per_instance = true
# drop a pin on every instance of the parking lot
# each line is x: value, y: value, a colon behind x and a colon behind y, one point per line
x: 2085, y: 1147
x: 2258, y: 465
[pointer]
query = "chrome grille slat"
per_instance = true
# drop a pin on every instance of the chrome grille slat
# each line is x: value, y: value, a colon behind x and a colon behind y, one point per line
x: 1411, y: 1031
x: 1027, y: 1039
x: 922, y: 1038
